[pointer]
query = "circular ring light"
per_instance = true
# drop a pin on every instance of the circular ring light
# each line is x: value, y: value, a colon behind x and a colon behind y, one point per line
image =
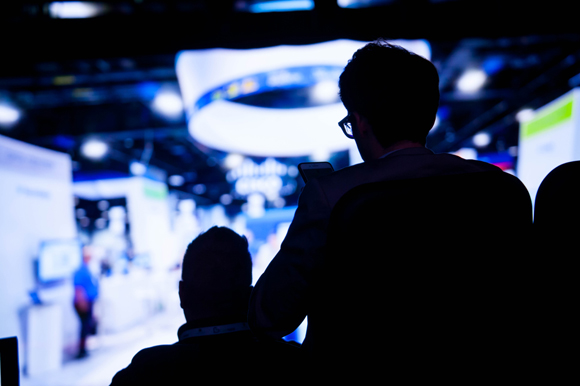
x: 212, y: 80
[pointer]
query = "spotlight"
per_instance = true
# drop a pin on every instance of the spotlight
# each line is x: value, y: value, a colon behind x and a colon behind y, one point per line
x: 176, y: 180
x: 168, y: 104
x: 199, y: 189
x: 9, y: 115
x: 75, y: 9
x: 137, y: 168
x: 471, y: 81
x: 94, y: 149
x: 226, y: 199
x: 481, y: 139
x: 280, y: 6
x: 233, y: 160
x: 525, y: 115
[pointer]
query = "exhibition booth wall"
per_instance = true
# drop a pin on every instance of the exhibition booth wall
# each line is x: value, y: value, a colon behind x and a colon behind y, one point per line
x: 36, y: 205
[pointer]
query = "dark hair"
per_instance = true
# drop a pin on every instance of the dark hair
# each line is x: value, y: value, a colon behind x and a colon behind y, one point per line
x: 395, y: 89
x: 218, y: 259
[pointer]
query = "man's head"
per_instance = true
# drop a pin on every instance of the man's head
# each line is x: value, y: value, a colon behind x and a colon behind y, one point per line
x: 395, y: 90
x: 216, y: 275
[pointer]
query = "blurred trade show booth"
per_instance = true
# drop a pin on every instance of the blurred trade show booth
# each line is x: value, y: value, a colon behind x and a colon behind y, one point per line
x: 48, y: 227
x: 37, y: 207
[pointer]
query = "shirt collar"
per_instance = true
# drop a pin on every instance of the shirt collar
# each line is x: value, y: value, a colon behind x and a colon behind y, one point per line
x: 409, y: 150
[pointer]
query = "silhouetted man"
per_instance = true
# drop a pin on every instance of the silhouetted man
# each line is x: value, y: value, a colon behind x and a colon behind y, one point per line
x: 392, y: 97
x: 215, y: 345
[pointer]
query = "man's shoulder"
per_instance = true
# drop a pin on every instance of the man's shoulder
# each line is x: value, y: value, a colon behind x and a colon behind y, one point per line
x: 152, y: 364
x: 416, y: 162
x: 195, y: 358
x: 402, y: 164
x: 156, y: 355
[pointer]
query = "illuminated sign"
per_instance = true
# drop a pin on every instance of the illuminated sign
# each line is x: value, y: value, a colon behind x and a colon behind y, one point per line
x: 270, y: 178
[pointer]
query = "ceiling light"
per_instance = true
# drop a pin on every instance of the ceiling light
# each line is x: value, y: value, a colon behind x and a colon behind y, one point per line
x: 362, y: 3
x: 493, y: 64
x: 281, y: 6
x: 255, y: 205
x: 481, y: 139
x: 176, y: 180
x: 471, y: 81
x: 75, y: 9
x: 293, y: 171
x: 137, y: 168
x: 103, y: 205
x: 94, y: 149
x: 199, y: 189
x: 226, y: 199
x: 279, y: 202
x: 9, y: 115
x: 169, y: 104
x: 233, y: 160
x: 525, y: 115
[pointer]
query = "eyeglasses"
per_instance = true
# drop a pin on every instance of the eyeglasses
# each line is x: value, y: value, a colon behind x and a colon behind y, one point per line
x: 346, y: 127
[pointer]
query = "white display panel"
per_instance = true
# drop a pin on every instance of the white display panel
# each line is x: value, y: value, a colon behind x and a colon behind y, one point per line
x: 548, y: 140
x: 58, y: 259
x: 36, y: 204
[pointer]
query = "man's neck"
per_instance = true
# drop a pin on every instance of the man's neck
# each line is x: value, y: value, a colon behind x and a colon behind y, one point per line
x: 405, y: 144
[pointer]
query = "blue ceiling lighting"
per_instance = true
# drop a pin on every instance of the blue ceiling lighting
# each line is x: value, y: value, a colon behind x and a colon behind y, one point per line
x: 362, y: 3
x: 492, y: 65
x: 280, y: 6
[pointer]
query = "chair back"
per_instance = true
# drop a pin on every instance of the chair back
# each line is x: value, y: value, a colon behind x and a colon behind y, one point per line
x: 557, y: 204
x: 9, y: 368
x: 423, y: 270
x: 555, y: 232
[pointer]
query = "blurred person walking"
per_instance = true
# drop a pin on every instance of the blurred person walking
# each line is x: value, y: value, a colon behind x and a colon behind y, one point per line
x: 86, y: 292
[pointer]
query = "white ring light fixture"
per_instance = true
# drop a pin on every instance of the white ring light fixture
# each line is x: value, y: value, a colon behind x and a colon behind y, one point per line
x: 222, y: 74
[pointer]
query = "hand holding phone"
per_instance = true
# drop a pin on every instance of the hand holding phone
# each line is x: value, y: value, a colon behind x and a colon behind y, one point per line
x: 309, y: 170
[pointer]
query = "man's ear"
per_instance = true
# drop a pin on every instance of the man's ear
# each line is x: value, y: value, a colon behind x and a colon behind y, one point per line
x: 362, y: 124
x: 182, y: 293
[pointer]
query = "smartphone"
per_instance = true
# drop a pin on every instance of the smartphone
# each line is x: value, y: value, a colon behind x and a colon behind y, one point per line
x: 310, y: 170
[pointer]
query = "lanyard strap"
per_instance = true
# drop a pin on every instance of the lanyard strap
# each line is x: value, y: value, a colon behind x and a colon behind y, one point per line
x: 214, y: 330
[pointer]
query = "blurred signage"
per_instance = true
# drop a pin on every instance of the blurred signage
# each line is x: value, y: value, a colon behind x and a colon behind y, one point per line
x: 270, y: 178
x: 549, y: 139
x: 32, y: 160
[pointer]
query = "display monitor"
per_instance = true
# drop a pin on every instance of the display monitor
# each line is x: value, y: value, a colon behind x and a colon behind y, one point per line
x: 58, y: 259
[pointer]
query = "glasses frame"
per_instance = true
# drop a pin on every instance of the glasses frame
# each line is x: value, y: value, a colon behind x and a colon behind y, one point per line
x: 343, y: 125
